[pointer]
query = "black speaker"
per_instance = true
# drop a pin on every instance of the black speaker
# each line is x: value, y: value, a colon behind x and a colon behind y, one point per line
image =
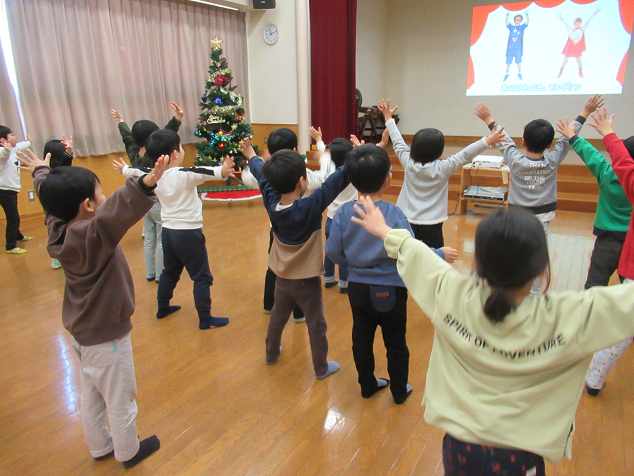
x: 263, y: 4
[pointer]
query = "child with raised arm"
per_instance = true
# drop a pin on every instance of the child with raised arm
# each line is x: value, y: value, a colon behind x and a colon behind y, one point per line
x: 505, y: 372
x: 182, y: 216
x: 9, y: 188
x: 335, y: 155
x: 84, y: 231
x: 377, y: 294
x: 534, y: 172
x: 424, y: 196
x: 296, y: 256
x: 620, y: 186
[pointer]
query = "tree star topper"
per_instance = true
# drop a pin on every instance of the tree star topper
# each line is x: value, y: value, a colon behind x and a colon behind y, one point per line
x: 215, y: 43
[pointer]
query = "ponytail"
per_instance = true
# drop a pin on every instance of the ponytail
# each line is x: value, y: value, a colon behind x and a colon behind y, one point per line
x: 498, y: 305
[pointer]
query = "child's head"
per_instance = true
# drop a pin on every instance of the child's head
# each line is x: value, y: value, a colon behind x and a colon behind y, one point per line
x: 577, y: 22
x: 66, y: 190
x: 538, y: 135
x: 518, y: 19
x: 629, y: 145
x: 141, y: 131
x: 368, y: 167
x: 284, y: 170
x: 427, y: 145
x: 281, y: 138
x: 57, y: 151
x: 165, y: 142
x: 339, y: 149
x: 510, y: 252
x: 6, y: 134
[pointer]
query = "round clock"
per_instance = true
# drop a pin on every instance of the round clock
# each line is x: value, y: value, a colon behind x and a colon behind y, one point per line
x: 271, y: 34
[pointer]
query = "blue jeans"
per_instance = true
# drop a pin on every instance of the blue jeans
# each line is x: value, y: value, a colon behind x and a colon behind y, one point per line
x: 329, y: 266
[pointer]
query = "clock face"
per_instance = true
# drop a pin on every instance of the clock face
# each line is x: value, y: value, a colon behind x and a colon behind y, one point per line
x: 271, y: 34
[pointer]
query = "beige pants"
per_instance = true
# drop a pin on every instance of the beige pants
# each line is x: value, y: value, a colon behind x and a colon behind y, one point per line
x: 108, y: 382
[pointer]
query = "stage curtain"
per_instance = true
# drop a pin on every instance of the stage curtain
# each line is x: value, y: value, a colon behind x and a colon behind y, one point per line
x: 333, y: 25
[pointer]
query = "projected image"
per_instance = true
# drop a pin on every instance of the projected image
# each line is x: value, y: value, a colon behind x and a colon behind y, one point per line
x: 550, y: 47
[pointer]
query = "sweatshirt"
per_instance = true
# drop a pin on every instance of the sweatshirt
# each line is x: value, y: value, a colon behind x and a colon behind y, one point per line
x: 613, y: 209
x: 99, y: 291
x: 9, y: 171
x: 425, y: 192
x: 515, y: 384
x: 297, y: 251
x: 623, y: 166
x: 349, y: 194
x: 534, y: 181
x: 133, y: 150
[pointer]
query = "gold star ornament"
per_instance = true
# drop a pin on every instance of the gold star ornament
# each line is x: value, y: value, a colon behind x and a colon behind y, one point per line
x: 215, y: 43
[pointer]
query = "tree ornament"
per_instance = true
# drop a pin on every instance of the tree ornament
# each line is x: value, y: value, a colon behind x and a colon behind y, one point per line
x: 215, y: 43
x: 222, y: 146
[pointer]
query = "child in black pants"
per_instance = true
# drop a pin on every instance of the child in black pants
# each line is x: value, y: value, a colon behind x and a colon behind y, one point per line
x: 376, y: 292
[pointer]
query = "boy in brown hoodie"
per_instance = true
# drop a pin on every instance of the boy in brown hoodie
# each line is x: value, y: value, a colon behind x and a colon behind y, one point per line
x: 84, y: 231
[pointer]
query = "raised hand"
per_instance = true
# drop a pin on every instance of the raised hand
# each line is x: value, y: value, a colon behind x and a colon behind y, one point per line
x: 315, y: 133
x: 372, y: 218
x: 602, y: 123
x: 451, y: 254
x: 496, y: 137
x: 385, y: 138
x: 30, y: 161
x: 178, y: 112
x: 5, y: 144
x: 483, y: 112
x: 564, y: 128
x: 68, y: 144
x: 355, y: 140
x: 594, y: 103
x: 385, y: 109
x: 246, y: 148
x: 119, y: 164
x: 116, y: 115
x: 151, y: 179
x: 227, y: 167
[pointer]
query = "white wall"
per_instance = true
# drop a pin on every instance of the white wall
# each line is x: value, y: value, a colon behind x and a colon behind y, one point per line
x: 372, y: 31
x: 273, y: 68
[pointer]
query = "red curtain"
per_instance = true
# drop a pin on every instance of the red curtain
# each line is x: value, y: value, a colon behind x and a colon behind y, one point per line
x: 333, y: 30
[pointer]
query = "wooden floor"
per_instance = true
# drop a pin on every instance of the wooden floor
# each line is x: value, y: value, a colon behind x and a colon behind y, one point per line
x: 212, y: 401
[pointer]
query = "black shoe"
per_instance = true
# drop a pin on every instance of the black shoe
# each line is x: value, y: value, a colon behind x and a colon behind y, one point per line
x: 331, y: 285
x: 146, y: 448
x: 593, y: 392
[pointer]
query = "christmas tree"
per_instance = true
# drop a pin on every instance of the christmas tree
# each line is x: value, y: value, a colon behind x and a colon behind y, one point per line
x: 221, y: 122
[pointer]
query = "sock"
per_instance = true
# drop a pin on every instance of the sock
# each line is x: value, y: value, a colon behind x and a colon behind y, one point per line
x: 146, y: 448
x: 401, y: 400
x: 381, y: 383
x: 271, y: 362
x: 212, y: 322
x: 166, y: 311
x: 332, y: 368
x: 102, y: 457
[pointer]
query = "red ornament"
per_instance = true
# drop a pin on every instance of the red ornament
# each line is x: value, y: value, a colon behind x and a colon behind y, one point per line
x: 219, y: 80
x: 239, y: 118
x: 222, y: 146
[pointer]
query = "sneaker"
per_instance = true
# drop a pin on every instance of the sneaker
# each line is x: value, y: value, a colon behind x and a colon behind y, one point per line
x: 16, y: 251
x: 593, y: 392
x: 26, y: 238
x: 343, y: 290
x: 331, y: 285
x: 581, y: 75
x: 299, y: 320
x: 55, y: 264
x: 519, y: 75
x: 506, y: 76
x: 267, y: 311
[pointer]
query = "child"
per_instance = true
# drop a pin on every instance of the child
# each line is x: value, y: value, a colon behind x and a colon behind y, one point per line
x: 377, y: 294
x: 506, y: 370
x: 622, y: 153
x: 296, y: 255
x: 335, y: 154
x: 515, y: 43
x: 61, y: 155
x: 9, y: 188
x: 425, y: 193
x: 84, y: 232
x: 182, y: 215
x: 534, y: 172
x: 135, y: 144
x: 576, y: 44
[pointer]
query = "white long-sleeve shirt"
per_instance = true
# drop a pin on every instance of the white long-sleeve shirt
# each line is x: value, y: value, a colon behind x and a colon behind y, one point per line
x: 9, y: 171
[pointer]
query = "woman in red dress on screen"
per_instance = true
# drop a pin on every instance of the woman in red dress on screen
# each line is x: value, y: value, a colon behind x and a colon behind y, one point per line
x: 576, y: 44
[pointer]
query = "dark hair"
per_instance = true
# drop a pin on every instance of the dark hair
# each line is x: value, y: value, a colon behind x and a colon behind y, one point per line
x: 578, y: 20
x: 281, y: 138
x: 162, y: 142
x: 518, y: 16
x: 510, y: 251
x: 57, y: 151
x: 367, y: 167
x: 65, y: 188
x: 629, y: 145
x: 4, y: 132
x: 538, y: 135
x: 339, y: 148
x: 141, y: 131
x: 427, y: 145
x: 283, y: 170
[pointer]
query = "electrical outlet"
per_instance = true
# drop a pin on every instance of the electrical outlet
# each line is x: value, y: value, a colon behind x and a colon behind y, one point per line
x: 31, y: 195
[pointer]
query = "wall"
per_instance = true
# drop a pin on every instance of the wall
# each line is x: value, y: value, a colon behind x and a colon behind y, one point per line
x: 372, y: 33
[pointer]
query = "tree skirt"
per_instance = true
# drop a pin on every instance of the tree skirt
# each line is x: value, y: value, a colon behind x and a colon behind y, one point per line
x: 229, y: 194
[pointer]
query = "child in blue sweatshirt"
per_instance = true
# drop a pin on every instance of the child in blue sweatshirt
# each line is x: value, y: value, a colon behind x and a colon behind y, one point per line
x: 376, y: 292
x: 296, y: 255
